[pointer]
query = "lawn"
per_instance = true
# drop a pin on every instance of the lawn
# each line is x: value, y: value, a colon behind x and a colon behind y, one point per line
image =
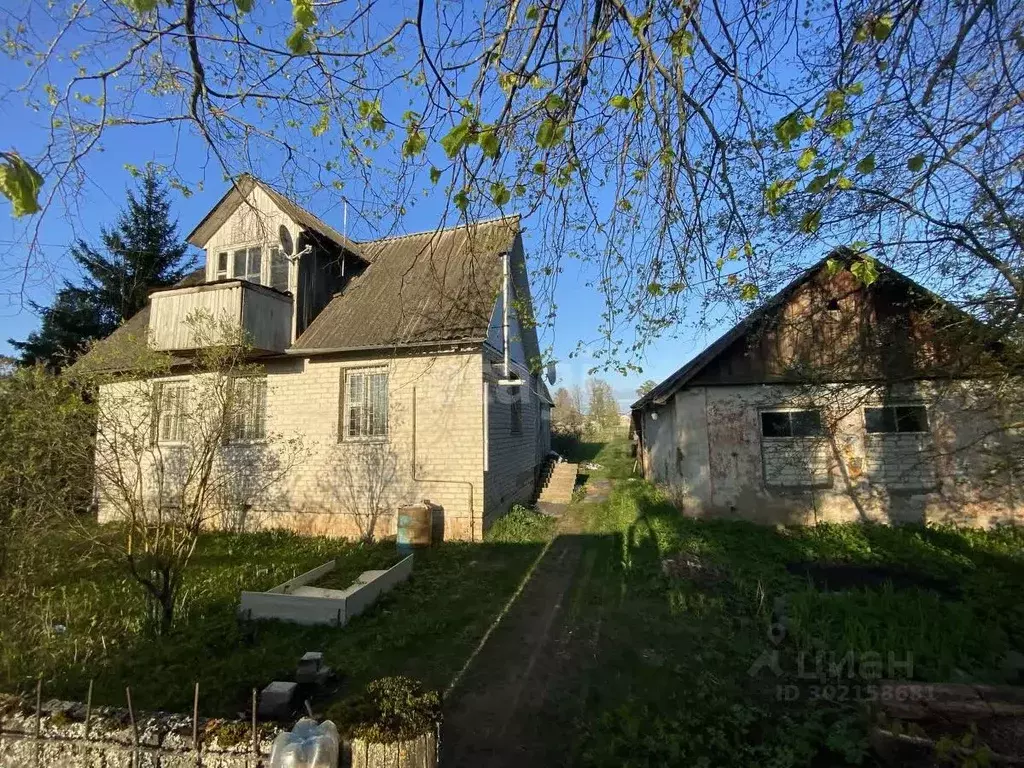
x: 682, y: 613
x: 82, y: 620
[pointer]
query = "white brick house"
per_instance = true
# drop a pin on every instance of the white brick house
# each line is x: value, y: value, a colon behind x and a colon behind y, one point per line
x: 385, y: 358
x: 836, y: 401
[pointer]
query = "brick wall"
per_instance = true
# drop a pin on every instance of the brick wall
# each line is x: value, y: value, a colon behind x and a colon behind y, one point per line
x: 900, y: 461
x: 795, y: 462
x: 434, y: 449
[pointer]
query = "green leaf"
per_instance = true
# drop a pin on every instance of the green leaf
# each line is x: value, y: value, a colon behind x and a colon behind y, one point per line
x: 792, y: 127
x: 415, y: 143
x: 749, y: 292
x: 844, y: 183
x: 840, y: 128
x: 916, y: 163
x: 550, y: 134
x: 298, y: 43
x: 867, y: 164
x: 243, y: 6
x: 489, y: 143
x: 818, y: 183
x: 554, y: 102
x: 532, y: 13
x: 865, y: 269
x: 321, y: 125
x: 806, y: 159
x: 834, y: 102
x: 654, y: 289
x: 461, y: 200
x: 302, y: 13
x: 681, y: 42
x: 620, y: 101
x: 20, y: 183
x: 810, y: 222
x: 833, y: 266
x: 776, y: 191
x: 457, y: 138
x: 507, y: 81
x: 500, y: 194
x: 856, y: 89
x: 435, y: 175
x: 540, y: 168
x: 141, y: 6
x: 883, y: 28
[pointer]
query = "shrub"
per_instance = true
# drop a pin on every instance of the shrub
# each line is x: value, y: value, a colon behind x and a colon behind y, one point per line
x: 390, y: 709
x: 521, y: 525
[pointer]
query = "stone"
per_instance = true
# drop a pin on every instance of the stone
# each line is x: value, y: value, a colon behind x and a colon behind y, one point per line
x: 277, y: 701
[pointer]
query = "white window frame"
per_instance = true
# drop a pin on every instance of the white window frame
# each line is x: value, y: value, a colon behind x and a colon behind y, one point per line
x: 248, y: 249
x: 158, y: 411
x: 346, y: 408
x: 256, y: 421
x: 760, y: 423
x: 267, y: 249
x: 218, y: 273
x: 927, y: 418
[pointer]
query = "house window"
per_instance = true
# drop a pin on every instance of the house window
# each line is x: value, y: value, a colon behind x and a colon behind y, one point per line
x: 247, y: 418
x: 278, y: 269
x: 896, y: 418
x: 365, y: 406
x: 170, y: 400
x: 222, y: 266
x: 791, y: 423
x: 515, y: 423
x: 248, y: 264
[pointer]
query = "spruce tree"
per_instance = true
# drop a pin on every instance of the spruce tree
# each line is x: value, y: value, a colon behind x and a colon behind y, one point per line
x: 142, y: 252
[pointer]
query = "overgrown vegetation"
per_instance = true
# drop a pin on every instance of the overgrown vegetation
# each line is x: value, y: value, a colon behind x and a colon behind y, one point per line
x: 84, y: 619
x: 521, y: 524
x: 390, y: 709
x: 686, y: 616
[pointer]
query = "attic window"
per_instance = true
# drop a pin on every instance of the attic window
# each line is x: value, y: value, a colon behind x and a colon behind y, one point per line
x: 248, y: 263
x: 222, y: 266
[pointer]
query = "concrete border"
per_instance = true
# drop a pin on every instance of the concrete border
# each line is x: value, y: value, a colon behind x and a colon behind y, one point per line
x: 297, y: 601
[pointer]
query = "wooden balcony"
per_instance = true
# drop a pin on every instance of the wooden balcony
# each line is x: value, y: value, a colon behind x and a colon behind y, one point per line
x: 263, y: 313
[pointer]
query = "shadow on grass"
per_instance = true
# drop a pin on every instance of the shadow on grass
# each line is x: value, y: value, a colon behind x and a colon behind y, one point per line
x: 425, y: 628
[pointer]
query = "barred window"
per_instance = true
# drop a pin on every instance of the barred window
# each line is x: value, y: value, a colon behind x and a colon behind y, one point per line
x: 365, y: 406
x: 247, y: 418
x: 170, y: 401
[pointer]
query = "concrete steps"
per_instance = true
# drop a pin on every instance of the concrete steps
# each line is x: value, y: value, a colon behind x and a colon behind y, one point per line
x: 560, y: 484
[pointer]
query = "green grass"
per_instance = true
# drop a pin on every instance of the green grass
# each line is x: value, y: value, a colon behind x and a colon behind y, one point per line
x: 670, y: 678
x: 424, y: 629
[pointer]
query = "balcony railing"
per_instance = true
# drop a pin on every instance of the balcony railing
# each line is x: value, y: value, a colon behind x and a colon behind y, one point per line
x: 263, y: 313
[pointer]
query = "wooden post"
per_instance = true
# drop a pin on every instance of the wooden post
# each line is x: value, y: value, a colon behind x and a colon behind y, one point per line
x: 39, y: 717
x: 88, y: 709
x: 195, y: 719
x: 255, y: 735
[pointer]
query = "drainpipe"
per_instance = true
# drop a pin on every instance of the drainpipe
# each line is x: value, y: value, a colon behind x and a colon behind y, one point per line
x: 416, y: 478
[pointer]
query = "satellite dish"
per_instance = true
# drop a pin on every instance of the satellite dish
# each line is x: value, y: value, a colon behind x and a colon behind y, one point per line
x: 551, y: 373
x: 284, y: 236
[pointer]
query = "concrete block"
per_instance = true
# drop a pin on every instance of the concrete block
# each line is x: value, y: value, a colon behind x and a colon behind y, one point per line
x: 277, y: 701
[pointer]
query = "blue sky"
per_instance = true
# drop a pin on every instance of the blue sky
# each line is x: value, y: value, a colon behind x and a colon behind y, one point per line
x: 579, y: 306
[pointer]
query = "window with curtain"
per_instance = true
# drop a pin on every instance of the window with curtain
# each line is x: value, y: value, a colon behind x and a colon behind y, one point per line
x: 365, y: 406
x: 170, y: 401
x: 278, y: 269
x: 248, y: 264
x: 248, y: 412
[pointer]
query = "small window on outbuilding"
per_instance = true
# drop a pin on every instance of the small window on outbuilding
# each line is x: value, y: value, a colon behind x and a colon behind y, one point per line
x: 805, y: 423
x: 278, y: 270
x: 896, y: 419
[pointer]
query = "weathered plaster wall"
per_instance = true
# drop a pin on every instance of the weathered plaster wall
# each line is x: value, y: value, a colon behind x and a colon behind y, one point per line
x: 706, y: 448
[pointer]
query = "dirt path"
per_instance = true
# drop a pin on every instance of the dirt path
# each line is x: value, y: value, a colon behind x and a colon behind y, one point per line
x: 512, y: 693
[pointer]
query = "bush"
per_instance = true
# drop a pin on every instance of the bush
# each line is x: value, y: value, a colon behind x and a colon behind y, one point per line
x: 521, y: 525
x: 390, y: 709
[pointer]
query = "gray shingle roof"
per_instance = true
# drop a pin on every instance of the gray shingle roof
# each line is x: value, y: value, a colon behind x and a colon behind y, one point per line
x: 429, y: 287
